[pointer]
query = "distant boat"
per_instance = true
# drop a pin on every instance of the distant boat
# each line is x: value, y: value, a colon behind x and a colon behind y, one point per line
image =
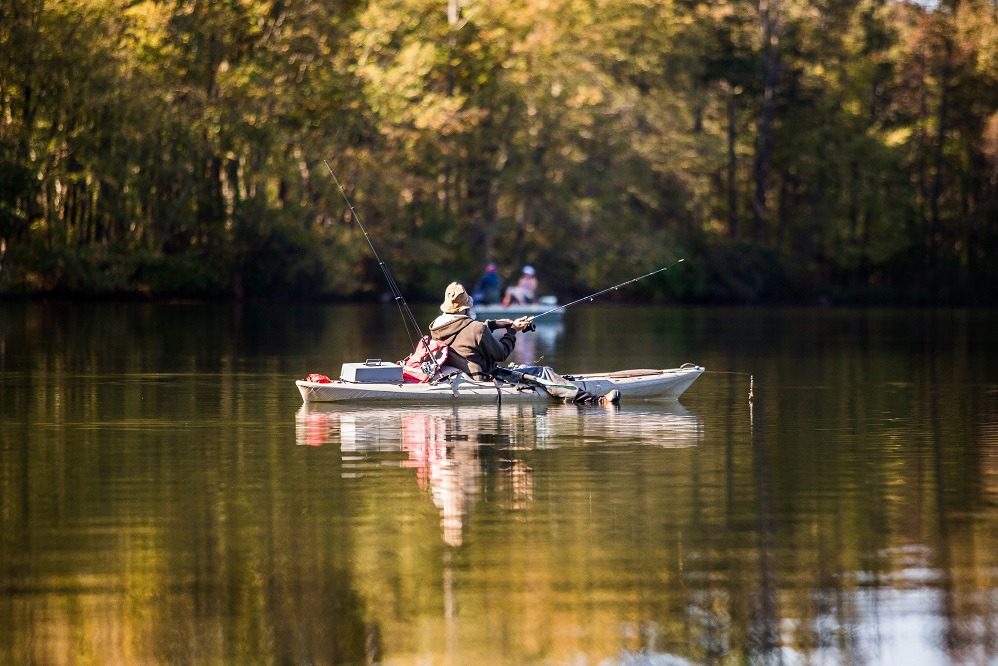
x: 516, y: 310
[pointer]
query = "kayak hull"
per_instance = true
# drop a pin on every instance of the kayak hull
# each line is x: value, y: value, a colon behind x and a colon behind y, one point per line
x: 632, y: 384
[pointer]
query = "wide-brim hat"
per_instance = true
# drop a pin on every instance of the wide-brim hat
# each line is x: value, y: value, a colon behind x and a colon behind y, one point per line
x: 456, y: 299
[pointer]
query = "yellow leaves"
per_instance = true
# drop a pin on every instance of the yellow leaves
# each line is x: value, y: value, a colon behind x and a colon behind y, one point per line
x: 585, y: 96
x: 149, y: 15
x: 853, y: 106
x: 976, y: 25
x: 897, y: 137
x: 148, y: 22
x: 990, y: 140
x: 403, y: 75
x: 438, y: 114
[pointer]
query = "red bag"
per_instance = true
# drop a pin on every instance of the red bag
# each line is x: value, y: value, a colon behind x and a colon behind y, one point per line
x: 316, y: 378
x: 424, y: 364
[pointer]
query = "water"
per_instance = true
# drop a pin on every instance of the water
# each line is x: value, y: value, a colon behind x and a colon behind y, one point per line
x: 165, y: 498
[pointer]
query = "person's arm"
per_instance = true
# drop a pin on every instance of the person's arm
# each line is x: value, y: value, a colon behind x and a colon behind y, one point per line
x: 493, y: 324
x: 498, y: 349
x: 521, y: 324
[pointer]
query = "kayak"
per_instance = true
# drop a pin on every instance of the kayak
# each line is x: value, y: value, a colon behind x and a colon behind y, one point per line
x: 666, y: 384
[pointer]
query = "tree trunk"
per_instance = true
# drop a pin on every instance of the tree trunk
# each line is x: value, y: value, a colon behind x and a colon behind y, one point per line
x: 768, y: 12
x: 732, y: 184
x: 936, y: 188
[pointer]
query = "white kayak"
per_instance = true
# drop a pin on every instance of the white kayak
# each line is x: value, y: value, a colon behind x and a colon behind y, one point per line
x: 632, y: 384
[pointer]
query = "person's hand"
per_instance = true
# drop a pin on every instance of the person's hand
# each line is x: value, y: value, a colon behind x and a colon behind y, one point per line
x: 523, y: 324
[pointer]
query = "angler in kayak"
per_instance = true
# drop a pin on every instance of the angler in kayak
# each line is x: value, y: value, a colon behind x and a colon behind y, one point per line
x: 474, y: 350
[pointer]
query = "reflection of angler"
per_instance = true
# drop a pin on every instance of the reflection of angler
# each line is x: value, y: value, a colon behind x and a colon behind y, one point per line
x: 521, y: 483
x: 449, y: 464
x: 449, y: 471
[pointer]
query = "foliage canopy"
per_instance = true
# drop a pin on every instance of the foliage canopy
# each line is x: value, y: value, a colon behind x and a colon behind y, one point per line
x: 790, y: 150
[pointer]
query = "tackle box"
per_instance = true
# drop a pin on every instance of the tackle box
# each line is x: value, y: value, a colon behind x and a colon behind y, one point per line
x: 372, y: 371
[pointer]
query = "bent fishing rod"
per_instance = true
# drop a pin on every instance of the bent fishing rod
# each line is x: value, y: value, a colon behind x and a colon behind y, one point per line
x: 590, y: 297
x: 408, y: 319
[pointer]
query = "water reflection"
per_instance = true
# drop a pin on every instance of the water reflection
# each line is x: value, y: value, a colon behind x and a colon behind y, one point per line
x: 452, y: 447
x: 154, y: 508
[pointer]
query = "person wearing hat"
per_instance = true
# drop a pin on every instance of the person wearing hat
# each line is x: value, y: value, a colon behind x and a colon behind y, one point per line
x: 524, y: 289
x: 475, y: 351
x: 473, y: 348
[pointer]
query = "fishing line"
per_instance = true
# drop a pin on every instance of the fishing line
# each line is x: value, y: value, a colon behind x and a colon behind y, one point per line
x: 408, y: 319
x: 751, y: 384
x: 590, y: 297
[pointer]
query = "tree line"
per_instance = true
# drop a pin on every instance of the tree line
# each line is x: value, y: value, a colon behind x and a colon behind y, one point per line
x: 790, y: 150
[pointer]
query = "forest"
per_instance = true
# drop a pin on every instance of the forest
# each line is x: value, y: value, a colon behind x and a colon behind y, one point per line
x: 791, y: 151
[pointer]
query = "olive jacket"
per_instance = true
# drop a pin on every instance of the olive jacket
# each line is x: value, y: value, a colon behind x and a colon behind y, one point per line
x: 473, y: 348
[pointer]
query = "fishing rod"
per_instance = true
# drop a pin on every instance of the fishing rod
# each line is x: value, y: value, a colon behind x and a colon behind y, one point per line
x: 408, y: 319
x: 590, y: 297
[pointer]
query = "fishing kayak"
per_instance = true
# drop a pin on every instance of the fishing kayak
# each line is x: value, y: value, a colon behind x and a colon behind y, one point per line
x: 642, y: 384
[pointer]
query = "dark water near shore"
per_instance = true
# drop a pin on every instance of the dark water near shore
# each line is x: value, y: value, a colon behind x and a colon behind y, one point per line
x: 165, y: 499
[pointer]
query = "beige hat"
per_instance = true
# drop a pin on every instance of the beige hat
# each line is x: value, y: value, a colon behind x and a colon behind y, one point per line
x: 456, y: 299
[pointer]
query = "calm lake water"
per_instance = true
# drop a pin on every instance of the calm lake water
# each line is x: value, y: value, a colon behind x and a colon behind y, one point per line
x: 164, y: 497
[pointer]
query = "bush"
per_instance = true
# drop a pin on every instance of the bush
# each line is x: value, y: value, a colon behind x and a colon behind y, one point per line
x: 277, y: 257
x: 196, y: 273
x: 745, y: 272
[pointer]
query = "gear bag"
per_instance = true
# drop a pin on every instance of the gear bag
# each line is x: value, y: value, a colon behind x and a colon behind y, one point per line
x: 426, y: 363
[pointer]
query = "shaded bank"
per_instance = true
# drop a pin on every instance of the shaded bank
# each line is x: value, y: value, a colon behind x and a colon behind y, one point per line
x: 722, y: 274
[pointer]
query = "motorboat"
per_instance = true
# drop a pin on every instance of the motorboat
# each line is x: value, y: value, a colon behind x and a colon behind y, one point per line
x: 546, y: 305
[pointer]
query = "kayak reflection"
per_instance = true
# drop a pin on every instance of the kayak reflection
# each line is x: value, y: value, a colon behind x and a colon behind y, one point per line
x: 455, y: 450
